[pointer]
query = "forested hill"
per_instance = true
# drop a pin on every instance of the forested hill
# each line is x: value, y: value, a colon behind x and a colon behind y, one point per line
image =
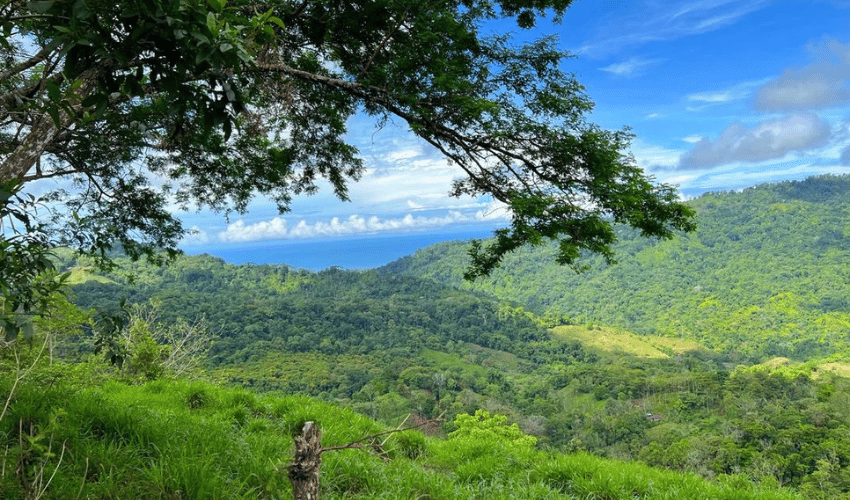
x: 388, y: 344
x: 765, y: 274
x: 265, y: 309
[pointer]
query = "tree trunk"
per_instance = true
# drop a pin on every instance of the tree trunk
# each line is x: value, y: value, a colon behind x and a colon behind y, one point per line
x: 304, y: 470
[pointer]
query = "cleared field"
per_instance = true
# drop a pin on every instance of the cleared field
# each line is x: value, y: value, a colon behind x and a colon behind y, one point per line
x: 617, y: 340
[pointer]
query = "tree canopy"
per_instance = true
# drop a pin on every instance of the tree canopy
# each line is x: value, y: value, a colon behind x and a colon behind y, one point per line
x: 133, y: 107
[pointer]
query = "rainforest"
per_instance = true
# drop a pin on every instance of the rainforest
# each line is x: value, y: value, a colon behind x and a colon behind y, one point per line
x: 712, y: 365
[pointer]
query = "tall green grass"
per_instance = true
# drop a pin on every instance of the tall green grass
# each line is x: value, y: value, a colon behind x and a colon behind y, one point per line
x: 187, y: 440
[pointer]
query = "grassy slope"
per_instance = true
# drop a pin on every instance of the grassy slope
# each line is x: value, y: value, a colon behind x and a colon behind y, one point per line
x: 179, y: 439
x: 618, y: 340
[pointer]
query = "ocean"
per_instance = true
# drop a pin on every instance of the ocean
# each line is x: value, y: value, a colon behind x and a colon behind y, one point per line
x: 352, y: 253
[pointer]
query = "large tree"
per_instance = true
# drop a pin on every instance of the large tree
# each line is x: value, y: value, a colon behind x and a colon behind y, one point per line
x: 139, y: 104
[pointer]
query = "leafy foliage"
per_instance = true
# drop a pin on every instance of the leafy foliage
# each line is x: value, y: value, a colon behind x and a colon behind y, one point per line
x: 27, y: 276
x: 483, y: 427
x: 227, y: 100
x: 388, y: 345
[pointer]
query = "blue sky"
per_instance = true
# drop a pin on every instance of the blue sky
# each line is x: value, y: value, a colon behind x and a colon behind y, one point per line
x: 720, y: 94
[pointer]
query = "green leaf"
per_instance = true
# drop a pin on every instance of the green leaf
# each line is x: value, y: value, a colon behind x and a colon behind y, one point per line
x: 53, y: 111
x: 40, y: 7
x: 204, y: 55
x: 92, y: 100
x: 75, y: 85
x: 229, y: 92
x: 217, y: 5
x: 228, y: 129
x: 53, y: 91
x: 211, y: 24
x: 11, y: 330
x: 276, y: 20
x: 201, y: 38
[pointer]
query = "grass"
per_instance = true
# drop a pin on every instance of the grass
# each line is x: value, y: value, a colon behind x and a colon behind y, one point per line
x: 80, y: 275
x: 840, y: 369
x: 176, y: 439
x: 616, y: 340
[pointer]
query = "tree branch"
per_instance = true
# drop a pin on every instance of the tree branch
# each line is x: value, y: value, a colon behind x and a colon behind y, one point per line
x: 29, y: 63
x: 358, y: 444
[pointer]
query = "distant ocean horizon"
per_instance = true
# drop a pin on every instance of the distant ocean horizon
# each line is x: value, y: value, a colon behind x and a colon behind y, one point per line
x: 364, y: 252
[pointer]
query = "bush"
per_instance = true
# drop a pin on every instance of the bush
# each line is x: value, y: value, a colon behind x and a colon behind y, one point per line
x: 410, y: 444
x: 197, y: 397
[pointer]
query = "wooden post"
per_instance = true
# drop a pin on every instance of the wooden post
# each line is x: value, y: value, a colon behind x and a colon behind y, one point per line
x: 304, y: 470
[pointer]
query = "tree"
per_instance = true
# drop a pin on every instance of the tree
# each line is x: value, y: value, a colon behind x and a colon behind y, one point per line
x: 208, y: 103
x: 27, y: 276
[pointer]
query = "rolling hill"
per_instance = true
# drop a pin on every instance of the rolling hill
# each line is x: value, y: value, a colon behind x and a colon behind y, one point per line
x: 764, y: 275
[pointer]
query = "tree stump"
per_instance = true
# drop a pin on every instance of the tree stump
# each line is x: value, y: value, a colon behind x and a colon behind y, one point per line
x: 304, y: 470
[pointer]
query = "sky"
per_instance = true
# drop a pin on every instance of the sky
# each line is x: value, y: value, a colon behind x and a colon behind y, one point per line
x: 720, y: 95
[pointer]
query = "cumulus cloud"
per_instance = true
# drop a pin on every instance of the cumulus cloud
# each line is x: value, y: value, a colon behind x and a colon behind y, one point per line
x: 652, y: 157
x: 196, y: 236
x: 279, y: 228
x: 820, y: 85
x: 633, y: 67
x: 494, y: 211
x: 768, y: 140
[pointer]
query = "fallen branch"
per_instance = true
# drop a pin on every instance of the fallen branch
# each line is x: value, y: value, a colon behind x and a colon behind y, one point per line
x: 358, y: 443
x: 304, y: 469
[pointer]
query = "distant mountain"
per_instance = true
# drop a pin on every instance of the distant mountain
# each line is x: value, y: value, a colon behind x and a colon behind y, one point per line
x: 766, y: 274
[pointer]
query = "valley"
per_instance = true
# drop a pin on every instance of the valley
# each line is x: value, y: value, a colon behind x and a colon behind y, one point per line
x: 722, y: 354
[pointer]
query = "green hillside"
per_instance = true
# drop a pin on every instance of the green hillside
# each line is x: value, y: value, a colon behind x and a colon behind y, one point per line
x: 69, y: 432
x: 388, y: 345
x: 765, y: 275
x: 719, y: 354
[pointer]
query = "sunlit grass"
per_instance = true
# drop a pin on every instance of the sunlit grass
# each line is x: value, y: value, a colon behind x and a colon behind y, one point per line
x: 191, y: 440
x: 617, y: 340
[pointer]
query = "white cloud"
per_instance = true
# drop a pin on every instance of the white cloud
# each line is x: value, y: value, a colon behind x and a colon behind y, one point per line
x: 403, y: 155
x: 196, y: 236
x: 723, y: 96
x: 770, y: 139
x: 750, y: 175
x: 633, y: 67
x: 279, y: 228
x: 678, y: 180
x: 652, y: 157
x: 401, y: 169
x: 495, y: 210
x: 715, y: 97
x: 655, y: 21
x: 692, y: 138
x: 821, y: 84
